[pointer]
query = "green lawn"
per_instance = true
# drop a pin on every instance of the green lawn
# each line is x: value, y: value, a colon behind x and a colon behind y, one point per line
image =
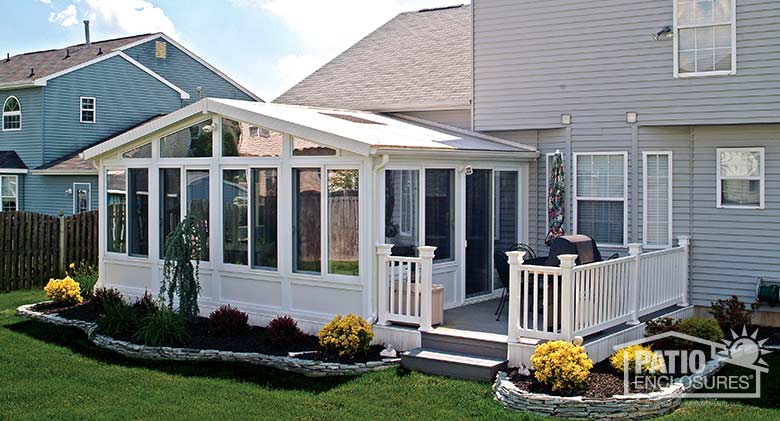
x: 50, y: 373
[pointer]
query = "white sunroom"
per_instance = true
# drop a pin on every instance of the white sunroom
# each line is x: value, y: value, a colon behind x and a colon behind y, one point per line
x: 299, y: 203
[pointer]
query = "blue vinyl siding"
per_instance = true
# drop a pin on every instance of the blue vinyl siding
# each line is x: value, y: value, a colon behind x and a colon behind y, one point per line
x: 26, y: 142
x: 185, y: 72
x: 125, y: 96
x: 47, y: 193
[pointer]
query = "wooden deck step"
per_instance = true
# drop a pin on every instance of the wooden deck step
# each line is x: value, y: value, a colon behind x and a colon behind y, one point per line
x: 462, y: 342
x: 451, y: 364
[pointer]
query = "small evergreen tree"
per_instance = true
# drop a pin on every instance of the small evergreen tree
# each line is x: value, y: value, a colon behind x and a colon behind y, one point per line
x: 183, y: 246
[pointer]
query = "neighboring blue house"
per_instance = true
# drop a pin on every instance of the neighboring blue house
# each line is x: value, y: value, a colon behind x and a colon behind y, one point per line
x: 56, y: 103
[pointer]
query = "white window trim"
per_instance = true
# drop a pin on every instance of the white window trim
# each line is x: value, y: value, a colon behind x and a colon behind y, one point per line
x: 645, y: 154
x: 720, y: 178
x: 577, y: 198
x: 11, y: 114
x: 16, y: 198
x: 76, y: 197
x: 82, y: 109
x: 677, y: 28
x: 407, y: 201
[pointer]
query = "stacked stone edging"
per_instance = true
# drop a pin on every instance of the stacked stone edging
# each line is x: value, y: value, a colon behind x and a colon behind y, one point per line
x: 634, y: 406
x: 309, y: 368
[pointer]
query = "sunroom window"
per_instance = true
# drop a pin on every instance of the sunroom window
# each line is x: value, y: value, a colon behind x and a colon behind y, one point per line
x: 242, y: 139
x: 9, y: 193
x: 600, y: 197
x: 12, y: 114
x: 402, y: 211
x: 740, y: 174
x: 265, y: 185
x: 198, y: 205
x: 235, y: 217
x: 307, y: 192
x: 143, y: 151
x: 192, y: 142
x: 303, y: 147
x: 170, y: 204
x: 116, y: 205
x: 705, y: 36
x: 440, y: 212
x: 138, y: 211
x: 343, y: 225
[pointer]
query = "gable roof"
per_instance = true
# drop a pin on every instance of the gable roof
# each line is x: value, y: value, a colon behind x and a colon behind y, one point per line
x: 49, y: 62
x: 418, y: 60
x: 11, y: 163
x: 360, y: 132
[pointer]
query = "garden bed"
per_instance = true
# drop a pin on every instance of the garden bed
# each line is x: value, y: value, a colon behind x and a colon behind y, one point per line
x: 251, y: 347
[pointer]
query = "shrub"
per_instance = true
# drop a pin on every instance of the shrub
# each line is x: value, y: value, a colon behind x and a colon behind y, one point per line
x: 283, y: 330
x: 561, y: 365
x: 641, y: 360
x: 183, y: 246
x: 63, y: 291
x: 663, y: 325
x: 348, y: 335
x: 118, y: 319
x: 104, y: 297
x: 731, y: 314
x: 86, y: 275
x: 163, y: 328
x: 702, y: 327
x: 228, y: 321
x: 145, y: 305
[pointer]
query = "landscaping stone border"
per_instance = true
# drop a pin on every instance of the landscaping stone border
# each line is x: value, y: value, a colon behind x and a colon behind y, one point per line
x: 634, y: 406
x: 310, y: 368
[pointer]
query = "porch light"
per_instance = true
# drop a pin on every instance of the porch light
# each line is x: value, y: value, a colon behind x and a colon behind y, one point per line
x: 566, y: 119
x: 631, y: 117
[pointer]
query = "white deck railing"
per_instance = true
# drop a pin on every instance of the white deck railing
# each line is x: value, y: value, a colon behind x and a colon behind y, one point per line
x: 568, y: 301
x: 405, y: 287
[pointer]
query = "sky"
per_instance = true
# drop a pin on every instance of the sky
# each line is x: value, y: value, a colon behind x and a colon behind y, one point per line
x: 266, y: 45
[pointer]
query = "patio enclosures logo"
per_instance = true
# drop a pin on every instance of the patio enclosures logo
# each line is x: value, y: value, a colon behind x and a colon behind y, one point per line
x: 696, y: 365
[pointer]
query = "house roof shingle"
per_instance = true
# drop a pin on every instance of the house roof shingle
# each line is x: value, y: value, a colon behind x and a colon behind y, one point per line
x: 417, y: 60
x: 9, y: 160
x: 18, y: 68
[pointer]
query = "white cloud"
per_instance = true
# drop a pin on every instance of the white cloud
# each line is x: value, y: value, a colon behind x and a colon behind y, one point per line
x: 117, y: 17
x: 45, y: 1
x: 326, y: 28
x: 66, y: 17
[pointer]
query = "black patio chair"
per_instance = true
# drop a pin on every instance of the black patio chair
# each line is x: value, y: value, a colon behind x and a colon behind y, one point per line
x: 501, y: 262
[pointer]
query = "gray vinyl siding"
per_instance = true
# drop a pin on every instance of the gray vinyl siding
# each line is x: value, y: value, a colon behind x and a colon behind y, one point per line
x: 125, y: 96
x: 26, y: 142
x: 186, y: 73
x: 455, y: 118
x: 534, y: 60
x: 47, y: 193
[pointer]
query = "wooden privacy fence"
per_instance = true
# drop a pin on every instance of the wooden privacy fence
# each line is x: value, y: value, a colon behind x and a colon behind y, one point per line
x: 36, y: 247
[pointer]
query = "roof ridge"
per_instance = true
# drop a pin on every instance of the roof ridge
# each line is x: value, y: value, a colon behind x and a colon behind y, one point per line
x: 84, y: 44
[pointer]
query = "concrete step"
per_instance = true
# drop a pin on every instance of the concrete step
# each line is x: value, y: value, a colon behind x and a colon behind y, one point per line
x: 455, y: 365
x: 457, y: 342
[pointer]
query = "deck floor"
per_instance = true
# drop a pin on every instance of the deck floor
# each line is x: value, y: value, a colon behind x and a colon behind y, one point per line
x: 479, y: 317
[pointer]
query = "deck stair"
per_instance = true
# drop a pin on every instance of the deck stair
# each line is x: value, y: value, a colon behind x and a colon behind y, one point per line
x: 458, y: 354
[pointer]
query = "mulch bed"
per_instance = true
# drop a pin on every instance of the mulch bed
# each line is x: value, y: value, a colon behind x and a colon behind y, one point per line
x: 603, y: 382
x: 254, y: 340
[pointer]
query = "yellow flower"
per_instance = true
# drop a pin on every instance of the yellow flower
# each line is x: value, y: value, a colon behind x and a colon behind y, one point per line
x: 66, y: 291
x: 561, y: 365
x: 72, y: 266
x: 348, y: 335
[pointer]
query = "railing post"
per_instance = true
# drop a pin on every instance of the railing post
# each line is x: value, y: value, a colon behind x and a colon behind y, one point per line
x: 383, y: 252
x: 516, y: 259
x: 426, y: 275
x: 635, y: 250
x: 685, y: 243
x: 567, y: 295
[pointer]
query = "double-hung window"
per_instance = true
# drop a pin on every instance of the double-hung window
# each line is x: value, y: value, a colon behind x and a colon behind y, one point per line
x: 600, y: 192
x: 705, y: 37
x: 657, y: 199
x: 87, y: 109
x: 9, y: 193
x: 740, y: 174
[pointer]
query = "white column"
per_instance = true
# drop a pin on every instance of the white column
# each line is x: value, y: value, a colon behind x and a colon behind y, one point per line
x: 685, y: 243
x: 567, y: 295
x: 383, y: 252
x: 516, y: 259
x: 426, y: 279
x: 635, y: 250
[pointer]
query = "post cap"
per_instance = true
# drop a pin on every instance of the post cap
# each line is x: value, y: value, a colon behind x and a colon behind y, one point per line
x: 384, y: 249
x: 684, y: 240
x: 567, y: 260
x: 634, y: 249
x: 516, y: 257
x: 426, y: 251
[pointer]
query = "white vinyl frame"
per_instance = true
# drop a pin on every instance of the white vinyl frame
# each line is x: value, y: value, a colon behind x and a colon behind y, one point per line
x: 11, y: 113
x: 16, y: 198
x: 677, y: 28
x: 624, y: 199
x: 670, y: 156
x: 761, y: 177
x: 76, y: 188
x: 82, y: 109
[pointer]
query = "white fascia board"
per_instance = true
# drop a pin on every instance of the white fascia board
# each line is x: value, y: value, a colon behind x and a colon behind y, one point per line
x: 64, y: 172
x: 143, y: 130
x: 17, y: 85
x: 44, y: 80
x: 424, y: 153
x: 296, y: 130
x: 194, y: 57
x: 13, y: 171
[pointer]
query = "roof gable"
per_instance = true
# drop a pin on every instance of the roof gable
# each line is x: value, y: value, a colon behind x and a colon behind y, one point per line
x: 416, y: 61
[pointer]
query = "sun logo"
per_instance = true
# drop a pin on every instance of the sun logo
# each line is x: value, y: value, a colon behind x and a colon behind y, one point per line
x: 746, y: 350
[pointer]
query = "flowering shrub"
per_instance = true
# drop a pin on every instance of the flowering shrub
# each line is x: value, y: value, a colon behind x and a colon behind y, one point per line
x: 284, y: 330
x: 86, y: 275
x: 561, y: 365
x: 63, y: 291
x: 228, y: 321
x: 348, y: 335
x: 641, y: 360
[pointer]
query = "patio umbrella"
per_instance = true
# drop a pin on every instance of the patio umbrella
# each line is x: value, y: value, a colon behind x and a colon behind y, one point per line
x: 555, y: 199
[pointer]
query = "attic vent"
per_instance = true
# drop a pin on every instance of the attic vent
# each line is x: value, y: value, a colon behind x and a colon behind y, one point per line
x: 351, y: 118
x: 160, y: 49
